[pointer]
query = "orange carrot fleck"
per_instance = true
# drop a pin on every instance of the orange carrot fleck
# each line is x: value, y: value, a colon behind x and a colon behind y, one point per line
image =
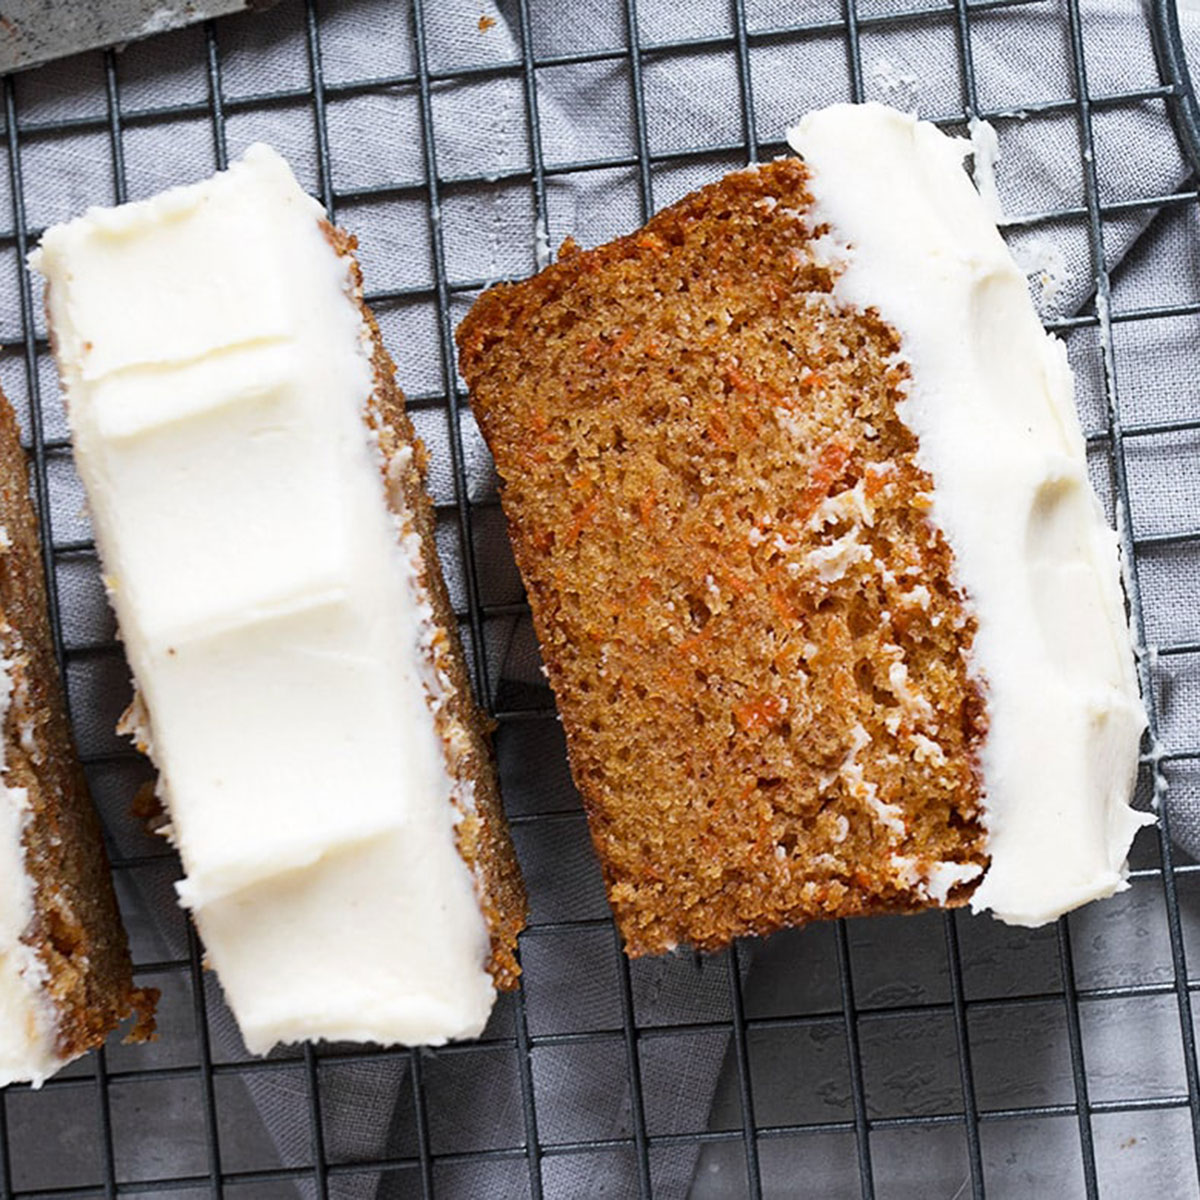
x: 691, y: 644
x: 717, y: 431
x: 646, y: 506
x: 585, y: 514
x: 736, y: 584
x: 622, y: 340
x: 782, y: 606
x: 831, y: 462
x: 764, y: 831
x: 834, y: 457
x: 759, y: 715
x: 738, y: 380
x: 876, y: 481
x: 675, y: 681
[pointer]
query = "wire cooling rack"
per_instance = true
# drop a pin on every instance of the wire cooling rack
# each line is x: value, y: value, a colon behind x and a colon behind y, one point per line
x: 73, y: 1138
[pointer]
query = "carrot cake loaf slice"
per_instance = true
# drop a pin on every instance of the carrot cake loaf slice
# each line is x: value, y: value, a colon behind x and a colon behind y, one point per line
x: 259, y: 507
x: 797, y: 486
x: 65, y: 975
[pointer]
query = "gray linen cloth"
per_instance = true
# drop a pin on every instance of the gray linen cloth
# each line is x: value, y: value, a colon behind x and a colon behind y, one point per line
x: 489, y: 231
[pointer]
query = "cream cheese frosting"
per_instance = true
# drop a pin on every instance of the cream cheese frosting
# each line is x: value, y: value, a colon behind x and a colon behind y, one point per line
x: 28, y: 1022
x: 991, y: 400
x: 217, y: 373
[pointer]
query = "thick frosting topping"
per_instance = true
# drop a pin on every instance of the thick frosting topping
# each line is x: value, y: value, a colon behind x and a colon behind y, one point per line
x: 217, y: 373
x: 990, y: 399
x: 28, y: 1052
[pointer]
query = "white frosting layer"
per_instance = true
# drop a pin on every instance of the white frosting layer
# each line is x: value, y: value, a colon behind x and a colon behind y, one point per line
x: 991, y: 402
x: 27, y: 1018
x: 217, y: 374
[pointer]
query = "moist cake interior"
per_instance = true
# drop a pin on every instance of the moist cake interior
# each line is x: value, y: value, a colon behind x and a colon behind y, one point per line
x: 748, y: 619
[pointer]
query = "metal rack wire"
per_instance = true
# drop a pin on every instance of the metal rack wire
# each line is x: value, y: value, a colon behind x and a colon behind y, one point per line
x: 321, y: 1176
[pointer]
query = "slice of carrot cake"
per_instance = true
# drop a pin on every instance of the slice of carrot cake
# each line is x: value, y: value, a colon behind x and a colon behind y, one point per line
x: 798, y: 490
x: 65, y: 975
x: 259, y: 506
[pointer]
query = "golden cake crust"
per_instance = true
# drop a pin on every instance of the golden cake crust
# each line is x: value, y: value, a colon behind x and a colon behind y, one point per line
x: 483, y: 837
x: 751, y: 627
x: 77, y: 931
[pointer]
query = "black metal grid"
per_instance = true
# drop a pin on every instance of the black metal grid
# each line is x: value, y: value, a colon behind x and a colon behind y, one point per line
x: 320, y: 1174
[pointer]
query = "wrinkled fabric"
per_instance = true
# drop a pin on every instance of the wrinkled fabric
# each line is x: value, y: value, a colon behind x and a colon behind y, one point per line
x: 487, y: 221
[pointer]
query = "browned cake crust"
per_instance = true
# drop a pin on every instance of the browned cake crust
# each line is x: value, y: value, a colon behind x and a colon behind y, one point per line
x: 77, y: 929
x: 748, y: 620
x: 483, y: 836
